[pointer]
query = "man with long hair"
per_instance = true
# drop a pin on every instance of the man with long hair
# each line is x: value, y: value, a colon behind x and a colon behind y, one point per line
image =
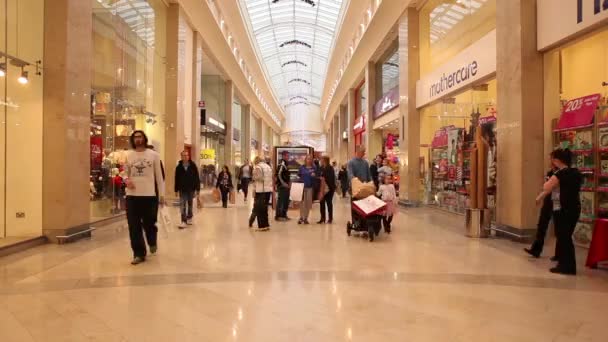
x: 144, y: 182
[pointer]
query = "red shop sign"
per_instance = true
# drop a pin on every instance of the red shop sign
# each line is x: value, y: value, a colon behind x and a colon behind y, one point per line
x: 578, y: 112
x: 359, y: 126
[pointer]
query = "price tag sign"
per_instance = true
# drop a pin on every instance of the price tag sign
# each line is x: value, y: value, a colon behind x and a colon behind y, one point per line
x: 578, y: 112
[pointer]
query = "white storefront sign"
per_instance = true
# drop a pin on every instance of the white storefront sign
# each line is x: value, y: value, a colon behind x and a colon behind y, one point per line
x: 472, y: 64
x: 558, y: 20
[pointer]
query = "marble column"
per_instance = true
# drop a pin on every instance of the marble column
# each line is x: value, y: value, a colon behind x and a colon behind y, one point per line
x: 260, y: 136
x: 350, y: 120
x: 520, y: 116
x: 197, y: 96
x: 246, y: 130
x: 228, y: 147
x: 552, y: 104
x: 66, y: 116
x: 373, y: 139
x: 345, y: 151
x: 409, y: 130
x: 174, y: 133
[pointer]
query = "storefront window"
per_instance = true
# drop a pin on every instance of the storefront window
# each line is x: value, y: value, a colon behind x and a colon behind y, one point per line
x: 448, y: 26
x: 21, y: 46
x: 214, y: 94
x: 388, y: 71
x: 127, y: 92
x: 574, y: 76
x: 447, y: 140
x: 239, y: 159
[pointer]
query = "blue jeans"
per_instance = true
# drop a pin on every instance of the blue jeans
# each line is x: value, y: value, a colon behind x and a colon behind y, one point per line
x: 185, y: 203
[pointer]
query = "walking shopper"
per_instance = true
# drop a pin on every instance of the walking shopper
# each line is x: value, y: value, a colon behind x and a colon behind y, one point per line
x: 546, y: 212
x: 343, y: 178
x: 358, y: 167
x: 244, y: 177
x: 374, y: 170
x: 143, y: 173
x: 262, y: 189
x: 388, y: 194
x: 564, y: 187
x: 283, y: 186
x: 187, y: 185
x: 328, y: 174
x: 307, y: 173
x: 224, y: 184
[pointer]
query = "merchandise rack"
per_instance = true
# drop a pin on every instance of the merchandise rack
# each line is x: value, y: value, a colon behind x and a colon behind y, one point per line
x: 591, y: 158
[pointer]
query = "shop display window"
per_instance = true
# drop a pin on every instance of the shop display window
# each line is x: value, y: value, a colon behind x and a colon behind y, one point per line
x: 21, y: 115
x: 127, y: 93
x: 388, y: 72
x: 452, y: 130
x: 580, y: 90
x: 449, y: 26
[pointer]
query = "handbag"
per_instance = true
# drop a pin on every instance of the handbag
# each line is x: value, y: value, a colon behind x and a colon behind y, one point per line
x: 296, y: 192
x: 216, y: 195
x: 232, y: 197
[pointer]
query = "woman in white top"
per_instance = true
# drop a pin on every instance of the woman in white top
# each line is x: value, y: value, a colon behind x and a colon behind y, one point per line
x: 262, y: 187
x: 388, y: 194
x: 244, y: 178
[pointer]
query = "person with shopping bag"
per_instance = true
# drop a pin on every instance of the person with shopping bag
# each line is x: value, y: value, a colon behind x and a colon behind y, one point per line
x: 262, y: 189
x: 224, y: 184
x: 187, y: 186
x: 307, y: 174
x: 144, y: 182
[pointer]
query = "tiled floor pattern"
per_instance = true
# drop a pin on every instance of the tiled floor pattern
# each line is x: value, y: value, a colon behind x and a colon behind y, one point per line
x: 220, y: 281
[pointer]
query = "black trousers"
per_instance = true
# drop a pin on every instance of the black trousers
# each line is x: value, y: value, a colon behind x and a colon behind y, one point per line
x: 565, y: 222
x: 282, y: 202
x: 225, y: 192
x: 141, y: 217
x: 245, y: 186
x: 546, y: 213
x: 386, y: 222
x: 260, y: 209
x: 327, y: 201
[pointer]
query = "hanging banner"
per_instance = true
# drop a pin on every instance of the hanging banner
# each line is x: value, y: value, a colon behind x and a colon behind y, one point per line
x: 208, y: 156
x: 578, y: 112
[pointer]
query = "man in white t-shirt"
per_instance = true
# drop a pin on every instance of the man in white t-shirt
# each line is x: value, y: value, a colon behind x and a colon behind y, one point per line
x: 144, y: 179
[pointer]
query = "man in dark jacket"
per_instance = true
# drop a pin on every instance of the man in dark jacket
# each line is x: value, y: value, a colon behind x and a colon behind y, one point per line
x: 283, y: 182
x: 187, y: 185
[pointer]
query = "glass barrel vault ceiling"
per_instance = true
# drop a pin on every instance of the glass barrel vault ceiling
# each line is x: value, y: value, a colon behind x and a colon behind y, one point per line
x: 294, y: 39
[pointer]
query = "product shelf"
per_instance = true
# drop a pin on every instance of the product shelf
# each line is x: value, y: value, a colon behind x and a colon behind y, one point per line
x: 587, y: 169
x: 587, y: 189
x: 602, y: 189
x: 586, y: 219
x: 583, y: 151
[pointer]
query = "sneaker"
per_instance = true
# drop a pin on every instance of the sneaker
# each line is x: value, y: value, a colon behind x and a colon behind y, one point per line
x: 182, y: 225
x: 306, y: 221
x: 300, y: 221
x: 189, y: 222
x: 137, y: 260
x: 153, y: 249
x: 262, y: 229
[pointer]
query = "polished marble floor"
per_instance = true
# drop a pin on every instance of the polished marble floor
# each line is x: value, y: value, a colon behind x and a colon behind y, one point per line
x: 220, y: 281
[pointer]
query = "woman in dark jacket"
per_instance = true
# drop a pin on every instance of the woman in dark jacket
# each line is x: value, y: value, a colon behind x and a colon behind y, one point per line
x: 343, y: 177
x: 564, y: 188
x: 224, y: 183
x: 329, y: 175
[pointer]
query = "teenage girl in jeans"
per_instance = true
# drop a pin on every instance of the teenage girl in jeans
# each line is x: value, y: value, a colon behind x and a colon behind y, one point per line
x: 564, y: 187
x: 307, y: 173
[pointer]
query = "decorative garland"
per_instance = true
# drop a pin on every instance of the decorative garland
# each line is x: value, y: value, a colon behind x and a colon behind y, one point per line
x: 299, y: 80
x: 310, y: 2
x: 294, y: 62
x: 295, y: 41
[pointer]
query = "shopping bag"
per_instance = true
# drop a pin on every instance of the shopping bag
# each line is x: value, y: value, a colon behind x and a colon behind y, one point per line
x: 199, y: 202
x: 296, y: 192
x: 165, y: 219
x: 369, y: 206
x: 216, y: 195
x: 362, y: 190
x: 232, y: 197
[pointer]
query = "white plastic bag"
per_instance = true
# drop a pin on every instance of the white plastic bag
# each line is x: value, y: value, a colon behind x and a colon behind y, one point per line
x: 296, y: 192
x: 165, y: 219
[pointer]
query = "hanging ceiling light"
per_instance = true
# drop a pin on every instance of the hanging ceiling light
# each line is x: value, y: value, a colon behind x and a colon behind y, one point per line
x: 23, y: 79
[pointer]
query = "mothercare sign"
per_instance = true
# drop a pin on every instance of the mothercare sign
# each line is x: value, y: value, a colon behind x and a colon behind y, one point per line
x: 472, y: 64
x: 559, y: 20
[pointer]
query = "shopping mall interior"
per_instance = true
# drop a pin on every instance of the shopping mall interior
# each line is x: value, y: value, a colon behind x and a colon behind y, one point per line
x: 457, y: 108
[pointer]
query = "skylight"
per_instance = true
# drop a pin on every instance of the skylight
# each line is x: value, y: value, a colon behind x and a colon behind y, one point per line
x: 444, y: 17
x: 138, y: 14
x: 293, y: 40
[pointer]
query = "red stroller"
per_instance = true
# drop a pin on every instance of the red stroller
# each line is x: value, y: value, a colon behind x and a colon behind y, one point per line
x: 366, y: 216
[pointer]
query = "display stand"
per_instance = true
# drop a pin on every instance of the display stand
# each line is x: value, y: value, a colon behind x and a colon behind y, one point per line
x: 579, y: 130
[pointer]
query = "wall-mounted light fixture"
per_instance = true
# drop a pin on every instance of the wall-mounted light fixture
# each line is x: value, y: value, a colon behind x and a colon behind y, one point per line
x: 19, y: 63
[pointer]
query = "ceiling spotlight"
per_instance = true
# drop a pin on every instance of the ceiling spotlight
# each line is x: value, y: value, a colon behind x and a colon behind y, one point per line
x: 2, y: 69
x: 23, y: 79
